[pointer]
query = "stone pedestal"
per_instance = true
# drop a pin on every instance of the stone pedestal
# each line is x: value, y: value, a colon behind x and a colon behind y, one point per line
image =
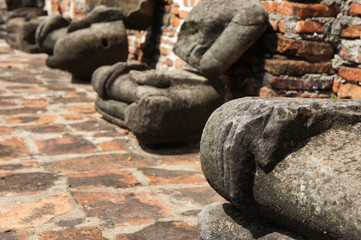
x: 224, y: 221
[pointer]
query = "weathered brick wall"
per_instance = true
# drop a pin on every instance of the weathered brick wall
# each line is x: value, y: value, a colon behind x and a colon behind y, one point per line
x: 310, y: 49
x: 68, y: 8
x: 316, y: 51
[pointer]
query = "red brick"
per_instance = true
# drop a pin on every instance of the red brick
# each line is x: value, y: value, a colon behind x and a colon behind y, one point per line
x: 111, y: 134
x: 162, y: 176
x: 308, y: 95
x: 163, y: 230
x: 355, y: 9
x: 350, y: 74
x: 13, y: 65
x: 14, y: 236
x: 164, y: 51
x: 344, y: 53
x: 267, y: 92
x: 270, y: 6
x: 47, y: 128
x: 23, y: 79
x: 97, y: 125
x: 282, y: 26
x: 103, y: 162
x: 30, y: 119
x: 351, y: 53
x: 123, y: 208
x: 169, y: 33
x: 308, y: 27
x: 180, y: 159
x: 273, y: 24
x: 309, y: 50
x: 183, y: 14
x: 65, y: 145
x: 174, y: 21
x: 85, y: 233
x: 81, y: 116
x: 336, y: 86
x: 18, y: 166
x: 35, y: 102
x: 115, y: 179
x: 74, y: 99
x: 310, y: 83
x: 114, y: 145
x: 7, y: 103
x: 193, y: 197
x: 301, y: 10
x: 26, y: 182
x: 34, y: 214
x: 351, y: 32
x: 349, y: 90
x: 12, y: 148
x: 166, y: 40
x: 4, y: 131
x: 82, y: 108
x: 296, y: 68
x: 174, y: 10
x: 169, y: 62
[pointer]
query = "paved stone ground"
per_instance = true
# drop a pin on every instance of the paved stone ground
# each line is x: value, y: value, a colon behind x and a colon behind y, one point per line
x: 65, y: 173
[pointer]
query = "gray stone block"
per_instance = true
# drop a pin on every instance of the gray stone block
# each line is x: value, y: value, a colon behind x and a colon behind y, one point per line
x: 224, y: 221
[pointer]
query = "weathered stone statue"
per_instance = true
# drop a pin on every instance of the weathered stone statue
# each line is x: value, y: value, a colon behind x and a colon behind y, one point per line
x: 82, y: 51
x: 158, y: 106
x: 161, y: 107
x: 21, y: 25
x: 98, y: 39
x: 217, y: 32
x: 295, y: 162
x: 136, y: 14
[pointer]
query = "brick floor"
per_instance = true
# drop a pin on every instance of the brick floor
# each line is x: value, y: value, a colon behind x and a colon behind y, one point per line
x: 65, y: 173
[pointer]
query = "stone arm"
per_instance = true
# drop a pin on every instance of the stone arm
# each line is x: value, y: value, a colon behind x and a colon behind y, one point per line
x: 47, y: 27
x: 157, y: 106
x: 236, y: 38
x: 136, y: 14
x: 99, y: 14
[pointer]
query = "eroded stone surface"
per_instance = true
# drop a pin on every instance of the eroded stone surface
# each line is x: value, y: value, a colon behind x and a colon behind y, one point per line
x: 285, y: 157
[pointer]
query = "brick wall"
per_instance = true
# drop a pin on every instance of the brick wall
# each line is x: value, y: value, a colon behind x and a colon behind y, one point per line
x: 310, y: 49
x: 314, y: 49
x: 68, y: 8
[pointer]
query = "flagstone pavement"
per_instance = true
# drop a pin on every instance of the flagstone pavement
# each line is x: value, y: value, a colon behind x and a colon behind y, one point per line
x: 65, y: 173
